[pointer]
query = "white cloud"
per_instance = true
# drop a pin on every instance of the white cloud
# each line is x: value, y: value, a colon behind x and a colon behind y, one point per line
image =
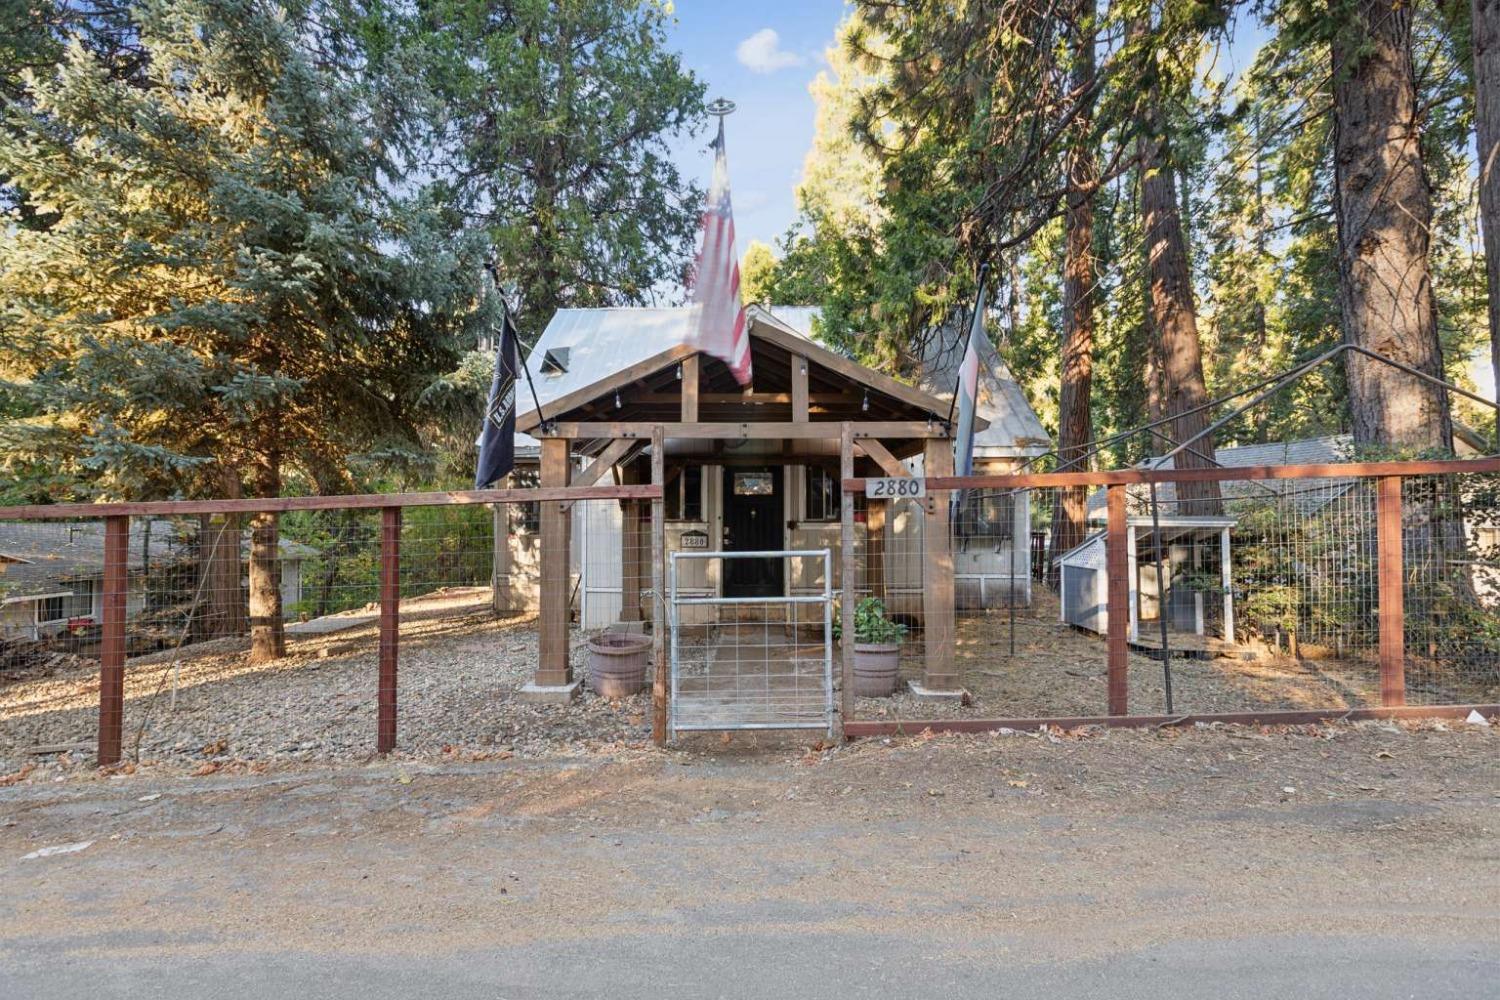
x: 762, y: 53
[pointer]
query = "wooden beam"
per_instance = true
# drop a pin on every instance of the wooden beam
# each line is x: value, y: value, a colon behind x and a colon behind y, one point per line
x: 799, y: 388
x: 849, y: 594
x: 749, y: 430
x: 888, y: 463
x: 351, y: 501
x: 112, y: 640
x: 659, y: 623
x: 938, y: 671
x: 632, y: 560
x: 1392, y: 591
x: 1119, y: 601
x: 530, y: 419
x: 390, y: 628
x: 1346, y: 470
x: 606, y: 460
x: 553, y: 667
x: 1273, y: 717
x: 690, y: 385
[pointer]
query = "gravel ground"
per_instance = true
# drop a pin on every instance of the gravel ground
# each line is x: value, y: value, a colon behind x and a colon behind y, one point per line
x: 459, y: 672
x: 460, y: 669
x: 1060, y: 670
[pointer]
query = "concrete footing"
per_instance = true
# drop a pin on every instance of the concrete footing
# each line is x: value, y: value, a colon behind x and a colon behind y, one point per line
x: 560, y: 694
x: 944, y: 694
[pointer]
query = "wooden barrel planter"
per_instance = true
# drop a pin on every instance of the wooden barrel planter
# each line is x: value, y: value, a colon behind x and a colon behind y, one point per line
x: 877, y: 668
x: 618, y: 662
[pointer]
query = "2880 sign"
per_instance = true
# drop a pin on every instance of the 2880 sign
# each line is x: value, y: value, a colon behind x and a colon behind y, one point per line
x: 891, y: 488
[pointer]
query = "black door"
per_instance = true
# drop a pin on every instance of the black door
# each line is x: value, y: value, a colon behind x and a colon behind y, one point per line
x: 752, y: 523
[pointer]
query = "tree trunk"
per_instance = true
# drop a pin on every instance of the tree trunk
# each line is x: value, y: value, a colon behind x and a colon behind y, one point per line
x: 1174, y: 316
x: 267, y: 630
x: 1074, y: 417
x: 1384, y: 207
x: 267, y: 636
x: 1486, y: 43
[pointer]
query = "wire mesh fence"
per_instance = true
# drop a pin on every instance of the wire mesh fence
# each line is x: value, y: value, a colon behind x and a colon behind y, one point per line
x: 310, y: 632
x: 1239, y: 596
x: 256, y: 636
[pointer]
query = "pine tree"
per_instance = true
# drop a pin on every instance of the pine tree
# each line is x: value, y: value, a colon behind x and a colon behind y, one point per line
x: 220, y: 304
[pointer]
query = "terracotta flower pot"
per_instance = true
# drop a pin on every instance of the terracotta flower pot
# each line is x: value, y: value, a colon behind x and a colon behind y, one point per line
x: 617, y: 663
x: 876, y: 669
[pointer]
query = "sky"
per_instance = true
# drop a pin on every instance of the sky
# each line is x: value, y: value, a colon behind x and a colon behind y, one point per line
x: 761, y: 56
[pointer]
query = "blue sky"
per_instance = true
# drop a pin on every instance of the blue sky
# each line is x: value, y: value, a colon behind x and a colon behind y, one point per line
x: 769, y: 133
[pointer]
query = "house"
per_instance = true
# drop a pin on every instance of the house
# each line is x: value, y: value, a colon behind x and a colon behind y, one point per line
x: 751, y: 468
x: 710, y: 500
x: 52, y: 572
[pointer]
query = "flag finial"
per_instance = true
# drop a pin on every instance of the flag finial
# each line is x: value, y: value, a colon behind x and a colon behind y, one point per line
x: 719, y: 107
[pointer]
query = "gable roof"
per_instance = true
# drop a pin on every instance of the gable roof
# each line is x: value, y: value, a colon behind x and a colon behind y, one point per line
x: 608, y: 345
x: 1014, y: 428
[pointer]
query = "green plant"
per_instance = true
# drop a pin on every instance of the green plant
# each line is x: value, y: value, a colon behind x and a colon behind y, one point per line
x: 871, y: 624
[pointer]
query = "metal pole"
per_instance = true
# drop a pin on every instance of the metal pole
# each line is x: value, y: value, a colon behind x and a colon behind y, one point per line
x: 1161, y: 604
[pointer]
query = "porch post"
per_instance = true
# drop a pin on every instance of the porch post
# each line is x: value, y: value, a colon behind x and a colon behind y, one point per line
x: 875, y: 511
x: 554, y: 674
x: 631, y: 541
x: 846, y: 572
x: 939, y: 677
x: 659, y: 623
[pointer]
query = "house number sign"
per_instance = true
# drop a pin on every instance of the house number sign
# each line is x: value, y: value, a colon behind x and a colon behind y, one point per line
x: 891, y: 488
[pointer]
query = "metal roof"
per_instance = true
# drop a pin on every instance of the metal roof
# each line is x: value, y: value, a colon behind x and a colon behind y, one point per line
x: 600, y: 342
x: 1014, y: 428
x: 37, y: 556
x: 1305, y: 495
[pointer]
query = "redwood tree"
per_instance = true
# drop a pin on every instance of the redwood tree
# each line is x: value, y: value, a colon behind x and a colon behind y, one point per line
x: 1384, y: 208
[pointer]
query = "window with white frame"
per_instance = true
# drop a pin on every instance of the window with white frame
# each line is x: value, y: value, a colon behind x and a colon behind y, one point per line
x: 820, y: 495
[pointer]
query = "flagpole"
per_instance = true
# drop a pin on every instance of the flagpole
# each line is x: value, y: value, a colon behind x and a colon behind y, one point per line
x: 966, y: 335
x: 505, y: 318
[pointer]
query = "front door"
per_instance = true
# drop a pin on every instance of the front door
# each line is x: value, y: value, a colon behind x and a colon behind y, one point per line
x: 753, y: 521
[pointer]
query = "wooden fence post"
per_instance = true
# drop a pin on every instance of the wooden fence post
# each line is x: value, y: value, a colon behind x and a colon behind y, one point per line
x: 390, y: 626
x: 1115, y: 568
x: 1392, y: 591
x: 112, y: 641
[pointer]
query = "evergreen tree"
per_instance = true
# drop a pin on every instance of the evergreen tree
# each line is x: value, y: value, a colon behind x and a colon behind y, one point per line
x: 551, y: 124
x: 221, y: 305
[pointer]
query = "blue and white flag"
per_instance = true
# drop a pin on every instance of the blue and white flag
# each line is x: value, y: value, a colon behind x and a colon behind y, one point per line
x: 497, y: 438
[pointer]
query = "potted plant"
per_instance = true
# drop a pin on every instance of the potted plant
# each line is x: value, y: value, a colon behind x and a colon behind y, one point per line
x: 877, y: 649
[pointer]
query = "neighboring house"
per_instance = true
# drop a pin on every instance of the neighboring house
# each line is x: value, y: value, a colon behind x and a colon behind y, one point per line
x: 52, y: 572
x: 729, y: 494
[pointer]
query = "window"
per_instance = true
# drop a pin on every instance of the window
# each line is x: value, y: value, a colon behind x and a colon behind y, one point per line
x: 684, y: 495
x: 822, y: 495
x: 524, y: 518
x: 80, y: 604
x: 988, y: 515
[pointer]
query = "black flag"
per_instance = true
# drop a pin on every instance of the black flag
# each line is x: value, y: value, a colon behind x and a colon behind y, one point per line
x: 497, y: 439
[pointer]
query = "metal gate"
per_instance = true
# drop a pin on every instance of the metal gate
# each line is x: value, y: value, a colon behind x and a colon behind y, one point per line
x: 749, y: 662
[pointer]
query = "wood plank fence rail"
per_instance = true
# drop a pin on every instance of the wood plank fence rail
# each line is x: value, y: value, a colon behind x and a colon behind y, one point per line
x: 1388, y: 477
x: 116, y: 554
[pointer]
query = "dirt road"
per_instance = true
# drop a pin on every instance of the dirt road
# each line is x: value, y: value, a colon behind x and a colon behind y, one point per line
x: 1357, y: 861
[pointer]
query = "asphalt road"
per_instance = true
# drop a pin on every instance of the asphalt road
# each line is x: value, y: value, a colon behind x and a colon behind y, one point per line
x: 986, y: 869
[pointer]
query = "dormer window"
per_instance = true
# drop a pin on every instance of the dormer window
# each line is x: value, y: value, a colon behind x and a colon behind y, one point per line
x: 555, y: 361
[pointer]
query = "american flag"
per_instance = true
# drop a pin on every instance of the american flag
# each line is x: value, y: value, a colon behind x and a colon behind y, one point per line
x: 719, y: 329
